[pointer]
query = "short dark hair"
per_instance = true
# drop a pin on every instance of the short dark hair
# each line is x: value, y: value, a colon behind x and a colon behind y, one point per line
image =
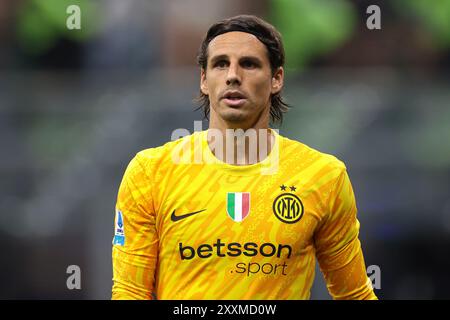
x: 267, y: 34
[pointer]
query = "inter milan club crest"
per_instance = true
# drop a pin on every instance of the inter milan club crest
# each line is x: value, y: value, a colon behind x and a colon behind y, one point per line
x: 238, y: 205
x: 287, y: 206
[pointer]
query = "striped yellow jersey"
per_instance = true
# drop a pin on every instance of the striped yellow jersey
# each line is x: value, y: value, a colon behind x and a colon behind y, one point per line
x: 193, y: 227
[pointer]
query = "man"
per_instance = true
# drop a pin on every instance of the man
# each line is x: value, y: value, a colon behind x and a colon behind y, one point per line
x: 243, y: 226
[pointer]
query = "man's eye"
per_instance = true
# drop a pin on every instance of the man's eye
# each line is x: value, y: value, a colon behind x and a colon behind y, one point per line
x: 220, y: 64
x: 248, y: 64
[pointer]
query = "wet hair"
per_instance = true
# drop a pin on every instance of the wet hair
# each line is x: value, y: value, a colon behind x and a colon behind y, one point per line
x: 268, y: 35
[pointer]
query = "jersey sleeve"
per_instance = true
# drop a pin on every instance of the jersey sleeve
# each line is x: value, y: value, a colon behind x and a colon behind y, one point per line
x: 338, y: 248
x: 135, y: 243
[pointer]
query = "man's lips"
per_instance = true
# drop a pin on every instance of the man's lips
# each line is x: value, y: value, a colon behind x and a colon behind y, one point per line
x: 234, y: 102
x: 234, y: 98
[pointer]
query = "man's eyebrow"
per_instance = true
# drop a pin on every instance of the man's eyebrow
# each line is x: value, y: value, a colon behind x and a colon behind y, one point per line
x: 219, y: 57
x: 225, y: 57
x: 251, y: 58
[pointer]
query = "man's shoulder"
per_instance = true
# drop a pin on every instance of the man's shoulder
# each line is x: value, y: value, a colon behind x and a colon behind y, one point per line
x: 156, y: 155
x: 300, y: 150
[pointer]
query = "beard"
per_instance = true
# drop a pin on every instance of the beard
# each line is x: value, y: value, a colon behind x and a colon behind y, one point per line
x: 238, y: 117
x: 234, y: 115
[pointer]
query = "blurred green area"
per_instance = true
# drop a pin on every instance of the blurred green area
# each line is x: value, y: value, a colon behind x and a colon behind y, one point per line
x: 433, y: 15
x: 41, y: 23
x: 312, y: 27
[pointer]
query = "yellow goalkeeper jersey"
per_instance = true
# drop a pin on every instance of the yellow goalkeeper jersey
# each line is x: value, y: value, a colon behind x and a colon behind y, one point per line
x: 209, y: 230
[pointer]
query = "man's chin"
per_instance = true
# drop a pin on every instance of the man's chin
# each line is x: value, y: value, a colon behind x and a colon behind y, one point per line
x: 235, y: 116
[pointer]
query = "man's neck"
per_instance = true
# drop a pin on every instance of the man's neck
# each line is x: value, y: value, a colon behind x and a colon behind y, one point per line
x: 241, y: 145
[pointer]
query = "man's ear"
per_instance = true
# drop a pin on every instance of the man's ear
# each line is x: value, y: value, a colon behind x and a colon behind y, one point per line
x: 277, y: 81
x: 203, y: 83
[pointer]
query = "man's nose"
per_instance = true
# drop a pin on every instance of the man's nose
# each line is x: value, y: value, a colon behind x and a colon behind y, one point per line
x: 233, y: 76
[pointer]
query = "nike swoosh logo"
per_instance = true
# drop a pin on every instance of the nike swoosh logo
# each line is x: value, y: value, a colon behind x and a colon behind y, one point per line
x: 176, y: 218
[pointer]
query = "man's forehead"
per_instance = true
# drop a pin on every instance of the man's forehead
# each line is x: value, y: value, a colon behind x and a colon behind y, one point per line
x: 236, y: 42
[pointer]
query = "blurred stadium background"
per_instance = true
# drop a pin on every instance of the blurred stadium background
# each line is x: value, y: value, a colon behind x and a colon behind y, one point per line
x: 75, y: 106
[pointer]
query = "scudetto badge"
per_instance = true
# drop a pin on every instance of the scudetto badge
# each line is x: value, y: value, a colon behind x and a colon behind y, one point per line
x: 288, y: 208
x: 238, y: 205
